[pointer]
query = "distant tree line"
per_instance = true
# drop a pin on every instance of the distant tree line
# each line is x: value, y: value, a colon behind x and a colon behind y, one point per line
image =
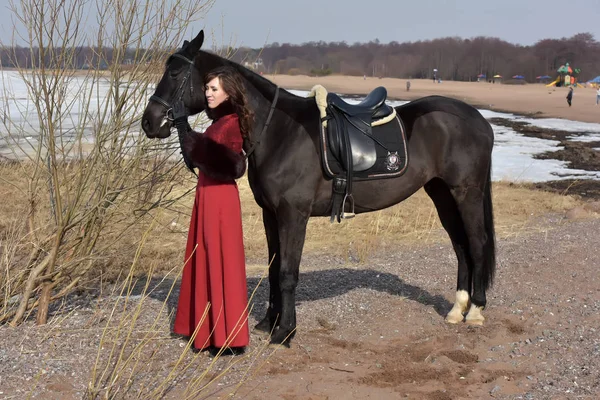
x: 454, y: 58
x: 79, y: 57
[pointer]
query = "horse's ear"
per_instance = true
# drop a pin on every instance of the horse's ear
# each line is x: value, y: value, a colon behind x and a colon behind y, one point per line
x: 197, y: 41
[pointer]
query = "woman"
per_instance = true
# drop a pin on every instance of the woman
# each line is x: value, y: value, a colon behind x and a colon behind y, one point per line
x: 214, y: 275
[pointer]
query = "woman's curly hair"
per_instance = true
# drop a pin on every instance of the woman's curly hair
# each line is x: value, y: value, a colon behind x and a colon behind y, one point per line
x: 232, y: 83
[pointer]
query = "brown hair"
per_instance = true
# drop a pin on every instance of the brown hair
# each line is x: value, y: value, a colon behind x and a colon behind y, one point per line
x: 233, y: 85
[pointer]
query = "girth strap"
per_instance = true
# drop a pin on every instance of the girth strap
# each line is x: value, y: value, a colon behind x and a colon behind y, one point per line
x: 342, y: 187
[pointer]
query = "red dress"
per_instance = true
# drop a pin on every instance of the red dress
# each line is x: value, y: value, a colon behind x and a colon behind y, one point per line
x: 214, y: 274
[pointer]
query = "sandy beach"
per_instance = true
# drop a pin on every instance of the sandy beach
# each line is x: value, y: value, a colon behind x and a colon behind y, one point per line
x: 371, y: 299
x: 532, y: 99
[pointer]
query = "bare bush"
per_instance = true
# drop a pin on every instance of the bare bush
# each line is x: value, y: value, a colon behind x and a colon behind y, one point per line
x: 91, y: 176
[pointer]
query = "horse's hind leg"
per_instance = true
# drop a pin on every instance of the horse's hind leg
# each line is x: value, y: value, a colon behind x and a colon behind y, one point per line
x: 470, y: 202
x: 453, y: 224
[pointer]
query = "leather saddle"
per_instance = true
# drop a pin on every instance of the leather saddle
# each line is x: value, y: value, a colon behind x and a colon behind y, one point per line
x: 373, y: 105
x: 359, y: 142
x: 355, y: 120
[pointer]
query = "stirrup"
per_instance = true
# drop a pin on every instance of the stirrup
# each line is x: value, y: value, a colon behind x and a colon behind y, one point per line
x: 350, y: 214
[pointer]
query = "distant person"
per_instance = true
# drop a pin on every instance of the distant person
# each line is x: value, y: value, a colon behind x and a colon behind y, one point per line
x: 570, y: 96
x: 364, y: 77
x: 598, y: 95
x: 408, y: 86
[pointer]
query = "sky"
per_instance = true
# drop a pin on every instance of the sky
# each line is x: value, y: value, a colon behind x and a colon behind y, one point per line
x: 253, y: 23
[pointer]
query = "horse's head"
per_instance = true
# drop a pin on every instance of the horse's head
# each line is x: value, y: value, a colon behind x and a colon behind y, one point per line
x: 181, y: 81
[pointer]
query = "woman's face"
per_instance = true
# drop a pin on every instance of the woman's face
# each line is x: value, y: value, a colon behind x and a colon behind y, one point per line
x: 215, y: 95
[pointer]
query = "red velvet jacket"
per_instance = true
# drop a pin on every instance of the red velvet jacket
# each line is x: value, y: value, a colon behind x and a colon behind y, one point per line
x: 218, y: 151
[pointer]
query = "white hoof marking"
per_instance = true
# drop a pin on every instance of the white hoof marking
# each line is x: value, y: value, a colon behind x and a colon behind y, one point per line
x: 460, y: 307
x: 474, y: 317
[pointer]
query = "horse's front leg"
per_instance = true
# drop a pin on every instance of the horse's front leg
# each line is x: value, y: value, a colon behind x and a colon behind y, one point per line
x: 274, y: 309
x: 292, y: 232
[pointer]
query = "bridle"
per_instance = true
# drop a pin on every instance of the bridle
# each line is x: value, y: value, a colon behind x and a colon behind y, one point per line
x: 180, y: 90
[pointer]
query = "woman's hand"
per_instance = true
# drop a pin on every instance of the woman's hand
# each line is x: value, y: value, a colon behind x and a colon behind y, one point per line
x: 180, y: 116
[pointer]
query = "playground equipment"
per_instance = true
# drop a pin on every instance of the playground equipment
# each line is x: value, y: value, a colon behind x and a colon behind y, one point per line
x: 553, y: 83
x: 566, y: 76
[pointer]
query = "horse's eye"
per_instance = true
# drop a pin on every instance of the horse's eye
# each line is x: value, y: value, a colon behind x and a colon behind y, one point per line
x: 173, y: 74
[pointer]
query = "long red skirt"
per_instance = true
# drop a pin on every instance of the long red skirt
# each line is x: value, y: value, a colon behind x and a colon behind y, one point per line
x: 214, y: 275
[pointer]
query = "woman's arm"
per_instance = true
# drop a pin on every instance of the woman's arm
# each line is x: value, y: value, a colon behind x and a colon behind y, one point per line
x: 217, y: 160
x: 214, y: 159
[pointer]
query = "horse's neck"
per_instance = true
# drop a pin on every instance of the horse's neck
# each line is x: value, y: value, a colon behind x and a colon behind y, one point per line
x: 262, y: 91
x: 290, y: 110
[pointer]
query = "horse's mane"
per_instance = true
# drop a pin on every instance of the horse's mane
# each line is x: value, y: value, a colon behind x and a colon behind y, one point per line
x: 289, y: 103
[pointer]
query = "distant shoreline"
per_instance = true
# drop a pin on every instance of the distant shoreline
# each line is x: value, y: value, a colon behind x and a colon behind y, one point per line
x: 534, y: 100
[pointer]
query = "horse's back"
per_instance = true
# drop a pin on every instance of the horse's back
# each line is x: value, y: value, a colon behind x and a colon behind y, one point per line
x: 451, y: 138
x: 440, y: 105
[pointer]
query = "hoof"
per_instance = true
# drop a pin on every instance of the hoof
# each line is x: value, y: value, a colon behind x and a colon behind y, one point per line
x: 279, y: 347
x: 282, y: 336
x: 474, y: 317
x: 475, y: 322
x: 454, y: 317
x: 264, y: 325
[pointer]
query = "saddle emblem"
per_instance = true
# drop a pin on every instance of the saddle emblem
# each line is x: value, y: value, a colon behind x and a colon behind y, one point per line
x: 392, y: 162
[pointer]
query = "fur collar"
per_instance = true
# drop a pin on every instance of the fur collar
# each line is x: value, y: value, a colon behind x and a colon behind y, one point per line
x: 223, y: 109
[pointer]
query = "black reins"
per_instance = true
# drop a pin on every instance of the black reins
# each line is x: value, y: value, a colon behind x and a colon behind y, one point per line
x: 264, y: 129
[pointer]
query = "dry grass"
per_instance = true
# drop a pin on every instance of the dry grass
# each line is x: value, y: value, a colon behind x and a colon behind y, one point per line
x: 126, y: 363
x: 414, y: 221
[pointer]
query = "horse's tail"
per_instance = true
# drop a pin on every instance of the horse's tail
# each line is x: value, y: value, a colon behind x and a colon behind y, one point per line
x: 489, y: 248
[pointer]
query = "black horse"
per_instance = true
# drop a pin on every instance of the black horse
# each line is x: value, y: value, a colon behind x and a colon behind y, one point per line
x: 450, y: 147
